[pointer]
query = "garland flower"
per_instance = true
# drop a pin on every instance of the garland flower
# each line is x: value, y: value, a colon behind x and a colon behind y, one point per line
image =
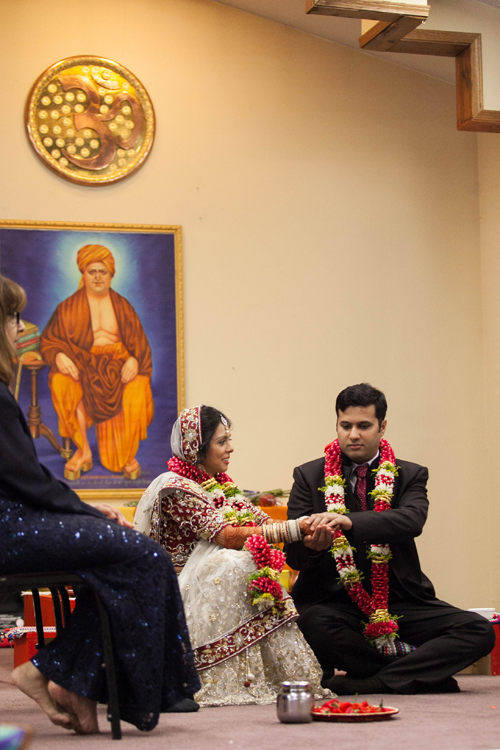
x: 264, y: 587
x: 381, y: 628
x: 240, y: 517
x: 221, y: 490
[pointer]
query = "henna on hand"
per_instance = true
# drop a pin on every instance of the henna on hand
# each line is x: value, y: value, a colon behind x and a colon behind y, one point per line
x: 234, y: 537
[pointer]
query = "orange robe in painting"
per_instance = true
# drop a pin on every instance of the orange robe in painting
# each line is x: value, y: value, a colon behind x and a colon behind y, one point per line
x: 121, y: 413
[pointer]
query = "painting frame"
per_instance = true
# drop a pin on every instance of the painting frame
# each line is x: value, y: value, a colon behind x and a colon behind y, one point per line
x: 122, y: 494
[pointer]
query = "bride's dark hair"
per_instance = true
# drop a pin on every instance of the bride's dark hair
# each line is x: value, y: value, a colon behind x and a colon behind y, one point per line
x: 210, y: 419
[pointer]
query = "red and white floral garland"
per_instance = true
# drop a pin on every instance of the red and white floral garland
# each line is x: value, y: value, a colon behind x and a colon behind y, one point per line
x: 191, y: 471
x: 264, y: 586
x: 219, y: 489
x: 381, y: 628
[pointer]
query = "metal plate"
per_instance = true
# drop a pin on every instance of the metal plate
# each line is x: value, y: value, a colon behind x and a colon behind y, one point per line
x: 388, y: 713
x: 90, y: 120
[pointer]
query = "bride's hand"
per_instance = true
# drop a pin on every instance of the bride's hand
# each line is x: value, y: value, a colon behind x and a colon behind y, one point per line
x: 234, y: 537
x: 305, y: 525
x: 311, y: 523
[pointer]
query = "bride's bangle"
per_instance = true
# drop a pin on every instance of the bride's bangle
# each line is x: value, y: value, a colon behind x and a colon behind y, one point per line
x: 288, y: 531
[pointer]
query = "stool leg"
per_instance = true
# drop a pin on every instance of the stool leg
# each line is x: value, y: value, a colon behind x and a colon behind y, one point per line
x: 109, y: 665
x: 38, y: 619
x: 66, y: 607
x: 56, y: 604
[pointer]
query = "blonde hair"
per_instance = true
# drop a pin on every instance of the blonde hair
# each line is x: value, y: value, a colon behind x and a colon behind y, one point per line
x: 12, y: 301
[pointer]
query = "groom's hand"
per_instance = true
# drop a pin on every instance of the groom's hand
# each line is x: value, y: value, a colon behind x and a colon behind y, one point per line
x: 327, y: 518
x: 319, y: 539
x: 337, y: 521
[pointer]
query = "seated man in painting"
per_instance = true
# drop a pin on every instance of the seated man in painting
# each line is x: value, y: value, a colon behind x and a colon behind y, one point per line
x: 100, y: 369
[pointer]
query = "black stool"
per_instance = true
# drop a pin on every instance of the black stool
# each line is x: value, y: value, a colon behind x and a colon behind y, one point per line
x: 56, y: 582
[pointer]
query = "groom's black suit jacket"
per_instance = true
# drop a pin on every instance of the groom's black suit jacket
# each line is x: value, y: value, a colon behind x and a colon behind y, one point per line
x: 318, y: 580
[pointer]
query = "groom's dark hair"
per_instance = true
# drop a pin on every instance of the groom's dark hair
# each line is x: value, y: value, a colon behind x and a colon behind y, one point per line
x: 362, y: 394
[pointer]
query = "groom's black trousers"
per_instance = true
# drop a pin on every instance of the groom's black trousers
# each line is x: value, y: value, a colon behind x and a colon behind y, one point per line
x: 447, y: 640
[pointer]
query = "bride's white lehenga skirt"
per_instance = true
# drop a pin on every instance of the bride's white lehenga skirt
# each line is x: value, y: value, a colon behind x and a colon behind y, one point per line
x: 242, y: 653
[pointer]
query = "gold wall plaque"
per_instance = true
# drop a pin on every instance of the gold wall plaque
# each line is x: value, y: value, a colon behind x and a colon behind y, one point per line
x: 90, y: 120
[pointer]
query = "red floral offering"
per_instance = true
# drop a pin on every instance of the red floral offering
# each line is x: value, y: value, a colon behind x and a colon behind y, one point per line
x: 346, y: 707
x: 345, y: 711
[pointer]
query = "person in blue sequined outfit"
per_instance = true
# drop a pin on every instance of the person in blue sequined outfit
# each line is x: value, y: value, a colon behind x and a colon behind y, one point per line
x: 45, y: 526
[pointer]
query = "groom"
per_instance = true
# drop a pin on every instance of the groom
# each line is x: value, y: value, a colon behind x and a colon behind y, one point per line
x: 436, y: 640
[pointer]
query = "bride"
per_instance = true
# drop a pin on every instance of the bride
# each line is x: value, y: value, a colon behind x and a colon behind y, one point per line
x: 240, y: 620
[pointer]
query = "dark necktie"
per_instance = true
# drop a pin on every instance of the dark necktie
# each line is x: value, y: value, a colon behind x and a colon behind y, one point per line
x: 360, y: 489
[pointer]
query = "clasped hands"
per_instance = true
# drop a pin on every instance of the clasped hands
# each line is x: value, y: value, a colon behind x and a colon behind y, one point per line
x: 319, y: 529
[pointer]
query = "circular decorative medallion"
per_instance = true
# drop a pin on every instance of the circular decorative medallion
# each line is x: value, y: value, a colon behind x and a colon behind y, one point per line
x: 90, y: 120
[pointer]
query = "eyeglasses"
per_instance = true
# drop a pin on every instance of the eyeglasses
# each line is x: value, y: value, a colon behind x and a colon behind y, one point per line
x: 15, y: 318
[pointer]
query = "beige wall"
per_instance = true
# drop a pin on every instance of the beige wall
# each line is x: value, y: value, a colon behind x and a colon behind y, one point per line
x: 489, y: 190
x: 330, y: 218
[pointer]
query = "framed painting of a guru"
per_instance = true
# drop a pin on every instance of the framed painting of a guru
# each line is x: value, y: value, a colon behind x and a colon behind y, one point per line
x: 101, y: 360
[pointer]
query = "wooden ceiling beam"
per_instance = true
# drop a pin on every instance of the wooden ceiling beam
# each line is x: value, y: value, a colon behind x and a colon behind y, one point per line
x: 438, y: 43
x: 372, y: 10
x: 396, y: 32
x: 385, y: 34
x: 467, y: 51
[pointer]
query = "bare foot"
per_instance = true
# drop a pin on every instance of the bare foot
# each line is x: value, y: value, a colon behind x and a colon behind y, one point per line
x: 78, y: 460
x: 132, y: 470
x: 132, y: 465
x: 83, y: 708
x: 32, y: 682
x: 339, y: 673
